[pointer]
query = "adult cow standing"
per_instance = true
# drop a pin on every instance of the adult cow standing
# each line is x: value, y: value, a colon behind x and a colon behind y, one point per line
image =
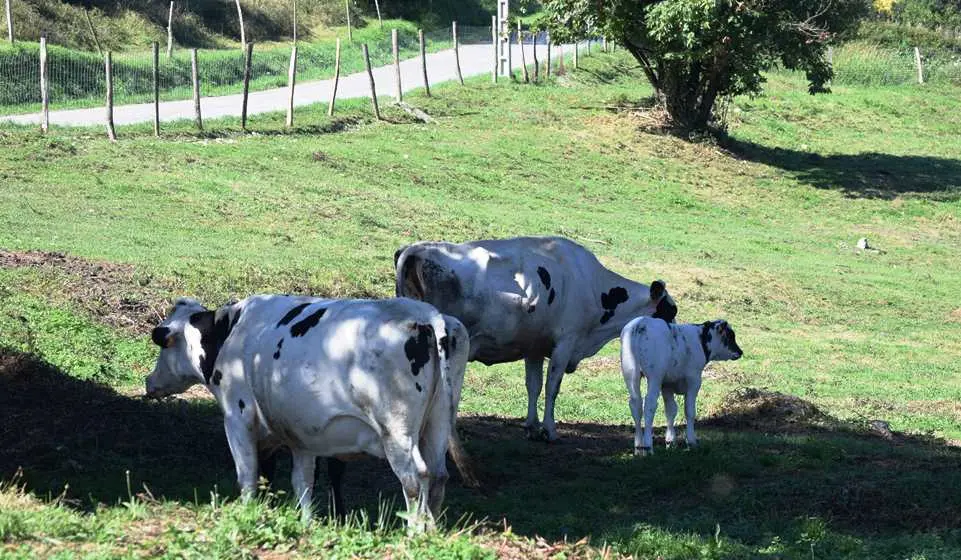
x: 530, y: 298
x: 325, y: 378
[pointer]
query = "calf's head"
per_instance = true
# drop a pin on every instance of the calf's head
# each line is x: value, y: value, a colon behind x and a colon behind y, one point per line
x: 717, y: 338
x: 665, y: 308
x: 180, y: 364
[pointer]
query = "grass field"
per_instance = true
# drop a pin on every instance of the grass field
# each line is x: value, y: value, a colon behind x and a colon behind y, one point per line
x: 759, y: 228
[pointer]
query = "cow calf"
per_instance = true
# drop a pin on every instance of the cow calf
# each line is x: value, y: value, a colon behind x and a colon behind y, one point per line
x: 672, y: 358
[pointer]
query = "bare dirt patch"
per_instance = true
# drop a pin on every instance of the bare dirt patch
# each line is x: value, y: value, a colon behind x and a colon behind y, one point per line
x: 758, y: 409
x: 115, y: 294
x: 955, y: 315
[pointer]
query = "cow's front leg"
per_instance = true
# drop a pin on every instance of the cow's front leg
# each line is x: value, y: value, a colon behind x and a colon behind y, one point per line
x: 534, y: 376
x: 555, y: 373
x: 302, y: 481
x: 241, y: 437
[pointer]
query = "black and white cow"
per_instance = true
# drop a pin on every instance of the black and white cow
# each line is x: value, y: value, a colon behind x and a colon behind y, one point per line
x: 328, y: 378
x: 672, y: 359
x: 530, y: 298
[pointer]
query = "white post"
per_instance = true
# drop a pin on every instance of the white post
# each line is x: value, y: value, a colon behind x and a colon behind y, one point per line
x: 291, y: 82
x: 504, y: 37
x: 9, y: 22
x: 399, y: 95
x: 494, y: 48
x: 44, y: 85
x: 917, y: 61
x: 170, y: 30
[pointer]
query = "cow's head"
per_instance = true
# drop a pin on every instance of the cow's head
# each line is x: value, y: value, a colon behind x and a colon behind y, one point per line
x: 717, y: 338
x: 180, y: 364
x: 665, y: 307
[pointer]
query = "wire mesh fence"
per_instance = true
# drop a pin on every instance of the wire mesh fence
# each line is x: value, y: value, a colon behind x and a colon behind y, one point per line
x: 77, y: 79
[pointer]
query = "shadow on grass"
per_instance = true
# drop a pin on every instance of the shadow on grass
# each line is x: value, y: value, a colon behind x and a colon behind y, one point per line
x: 758, y: 471
x: 866, y: 175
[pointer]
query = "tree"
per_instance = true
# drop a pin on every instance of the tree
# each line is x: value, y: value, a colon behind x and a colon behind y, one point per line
x: 695, y: 51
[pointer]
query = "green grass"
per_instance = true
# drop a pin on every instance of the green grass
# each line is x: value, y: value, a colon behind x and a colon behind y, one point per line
x: 77, y: 78
x: 759, y: 228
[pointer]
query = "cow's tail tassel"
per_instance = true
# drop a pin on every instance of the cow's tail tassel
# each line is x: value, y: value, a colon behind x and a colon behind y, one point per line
x: 461, y: 460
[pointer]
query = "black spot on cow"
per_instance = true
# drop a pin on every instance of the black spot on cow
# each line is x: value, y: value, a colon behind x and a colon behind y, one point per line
x: 666, y: 310
x: 417, y: 348
x: 292, y: 314
x: 419, y: 388
x: 445, y: 343
x: 545, y: 277
x: 611, y: 300
x: 706, y: 339
x: 280, y: 344
x: 217, y: 377
x: 159, y: 336
x: 214, y: 327
x: 531, y: 308
x: 241, y: 404
x: 550, y: 297
x: 307, y: 323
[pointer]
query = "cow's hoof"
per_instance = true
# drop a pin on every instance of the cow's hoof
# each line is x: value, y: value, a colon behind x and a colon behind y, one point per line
x: 643, y: 451
x: 534, y: 432
x: 670, y: 444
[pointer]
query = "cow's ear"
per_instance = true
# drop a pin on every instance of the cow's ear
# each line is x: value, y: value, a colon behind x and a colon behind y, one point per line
x: 658, y: 289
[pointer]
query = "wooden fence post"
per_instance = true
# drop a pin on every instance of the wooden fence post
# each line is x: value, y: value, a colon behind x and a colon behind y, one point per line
x: 248, y: 56
x: 156, y: 88
x: 395, y: 46
x: 423, y: 60
x: 170, y: 30
x: 548, y: 56
x: 44, y: 86
x: 291, y: 82
x: 195, y: 78
x: 373, y: 88
x: 494, y: 45
x: 560, y: 60
x: 576, y: 45
x: 917, y: 61
x: 9, y: 22
x: 520, y: 43
x: 537, y: 66
x: 460, y: 77
x: 589, y: 40
x: 108, y: 67
x: 333, y: 94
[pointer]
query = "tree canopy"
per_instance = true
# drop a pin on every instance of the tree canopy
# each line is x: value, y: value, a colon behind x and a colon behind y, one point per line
x: 694, y: 51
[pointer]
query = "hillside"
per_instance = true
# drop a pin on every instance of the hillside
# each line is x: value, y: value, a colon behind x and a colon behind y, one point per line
x: 134, y: 24
x: 759, y: 227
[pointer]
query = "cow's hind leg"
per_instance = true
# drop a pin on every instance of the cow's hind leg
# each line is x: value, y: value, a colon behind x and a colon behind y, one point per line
x: 555, y: 374
x: 534, y: 377
x: 407, y: 463
x: 241, y: 437
x: 302, y: 481
x: 433, y: 447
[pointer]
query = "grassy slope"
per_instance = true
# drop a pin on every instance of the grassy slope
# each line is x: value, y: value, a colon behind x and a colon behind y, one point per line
x: 763, y: 235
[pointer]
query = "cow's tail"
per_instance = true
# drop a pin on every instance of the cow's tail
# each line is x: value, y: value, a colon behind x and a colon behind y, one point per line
x: 446, y: 385
x: 407, y: 269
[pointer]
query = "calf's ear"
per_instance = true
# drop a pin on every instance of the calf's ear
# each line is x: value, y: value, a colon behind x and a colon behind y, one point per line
x: 160, y: 336
x: 397, y: 254
x: 658, y: 289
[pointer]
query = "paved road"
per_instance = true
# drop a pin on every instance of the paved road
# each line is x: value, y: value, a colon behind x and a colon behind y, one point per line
x: 475, y: 59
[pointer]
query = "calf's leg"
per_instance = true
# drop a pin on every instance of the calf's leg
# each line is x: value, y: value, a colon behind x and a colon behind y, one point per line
x: 690, y: 410
x: 632, y: 379
x: 670, y: 411
x: 650, y: 407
